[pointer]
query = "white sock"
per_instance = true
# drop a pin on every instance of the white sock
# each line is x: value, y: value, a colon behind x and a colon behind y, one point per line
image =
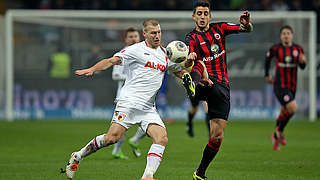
x: 94, y: 145
x: 139, y: 135
x: 153, y: 160
x: 117, y: 146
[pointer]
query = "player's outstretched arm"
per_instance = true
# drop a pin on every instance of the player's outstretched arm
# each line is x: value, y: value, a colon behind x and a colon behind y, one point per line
x: 101, y: 65
x: 245, y: 25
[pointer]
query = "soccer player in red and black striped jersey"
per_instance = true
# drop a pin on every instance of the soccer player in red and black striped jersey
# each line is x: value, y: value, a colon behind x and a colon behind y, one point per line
x: 288, y: 57
x: 207, y: 47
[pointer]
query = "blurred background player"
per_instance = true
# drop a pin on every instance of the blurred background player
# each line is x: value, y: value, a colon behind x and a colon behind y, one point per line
x: 132, y: 36
x: 192, y: 112
x: 207, y: 48
x: 194, y: 109
x: 288, y: 57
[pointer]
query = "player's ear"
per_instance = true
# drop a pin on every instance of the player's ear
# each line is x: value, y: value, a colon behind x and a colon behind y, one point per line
x: 193, y: 17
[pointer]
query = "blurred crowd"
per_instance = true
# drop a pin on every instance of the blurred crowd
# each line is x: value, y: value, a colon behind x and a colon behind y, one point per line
x: 276, y: 5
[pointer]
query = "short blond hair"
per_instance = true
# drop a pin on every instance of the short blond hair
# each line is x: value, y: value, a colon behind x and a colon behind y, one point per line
x: 148, y: 22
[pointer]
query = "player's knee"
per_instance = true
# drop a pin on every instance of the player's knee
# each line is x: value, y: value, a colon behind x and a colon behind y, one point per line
x: 162, y: 140
x: 111, y: 138
x: 218, y: 137
x: 292, y: 110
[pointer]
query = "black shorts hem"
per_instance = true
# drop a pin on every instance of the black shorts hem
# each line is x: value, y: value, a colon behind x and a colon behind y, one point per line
x: 217, y: 116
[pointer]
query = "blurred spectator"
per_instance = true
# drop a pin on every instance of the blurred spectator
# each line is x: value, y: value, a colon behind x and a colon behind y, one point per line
x: 296, y: 5
x: 238, y: 4
x: 44, y: 4
x: 59, y: 4
x: 59, y: 65
x: 280, y: 5
x: 264, y: 5
x: 2, y: 7
x: 95, y: 55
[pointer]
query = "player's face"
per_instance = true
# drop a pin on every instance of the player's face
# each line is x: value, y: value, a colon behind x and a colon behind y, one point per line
x: 132, y: 38
x: 153, y: 35
x: 202, y: 17
x: 286, y: 36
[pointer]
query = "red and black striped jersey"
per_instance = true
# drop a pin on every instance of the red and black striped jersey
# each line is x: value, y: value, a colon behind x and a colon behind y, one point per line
x: 287, y: 61
x: 210, y: 47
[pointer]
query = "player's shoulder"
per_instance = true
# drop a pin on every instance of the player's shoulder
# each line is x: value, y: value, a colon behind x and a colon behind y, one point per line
x: 191, y: 33
x: 220, y: 24
x: 134, y: 47
x: 297, y: 46
x: 163, y: 49
x: 276, y: 46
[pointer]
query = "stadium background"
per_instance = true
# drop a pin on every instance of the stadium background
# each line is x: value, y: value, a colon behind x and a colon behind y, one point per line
x: 37, y: 94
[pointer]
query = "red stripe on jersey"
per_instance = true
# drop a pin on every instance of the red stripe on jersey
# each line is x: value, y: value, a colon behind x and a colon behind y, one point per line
x: 277, y: 61
x: 208, y: 63
x: 288, y: 53
x: 223, y: 57
x: 294, y: 74
x: 220, y: 29
x: 281, y: 59
x: 230, y: 27
x: 199, y: 68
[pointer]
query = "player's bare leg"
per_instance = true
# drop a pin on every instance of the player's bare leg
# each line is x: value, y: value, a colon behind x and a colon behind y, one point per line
x: 217, y: 127
x: 286, y: 112
x: 160, y: 140
x: 112, y: 136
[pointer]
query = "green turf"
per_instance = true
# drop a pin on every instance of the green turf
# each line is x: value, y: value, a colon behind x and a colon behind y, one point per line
x: 35, y: 150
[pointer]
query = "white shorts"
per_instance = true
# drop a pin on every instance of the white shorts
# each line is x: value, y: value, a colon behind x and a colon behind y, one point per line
x: 128, y: 117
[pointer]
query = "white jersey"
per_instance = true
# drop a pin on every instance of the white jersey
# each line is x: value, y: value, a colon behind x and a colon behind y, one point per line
x: 144, y: 68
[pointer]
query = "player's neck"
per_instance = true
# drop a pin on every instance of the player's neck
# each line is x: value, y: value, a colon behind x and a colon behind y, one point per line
x: 202, y: 29
x: 150, y: 46
x: 287, y: 44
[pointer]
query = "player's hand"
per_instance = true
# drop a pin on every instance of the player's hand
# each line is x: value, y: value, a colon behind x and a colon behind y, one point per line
x: 86, y: 72
x: 192, y: 56
x: 302, y: 59
x: 205, y: 81
x: 245, y: 17
x: 269, y: 79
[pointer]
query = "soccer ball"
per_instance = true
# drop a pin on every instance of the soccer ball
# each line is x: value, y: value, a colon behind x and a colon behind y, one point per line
x: 177, y: 51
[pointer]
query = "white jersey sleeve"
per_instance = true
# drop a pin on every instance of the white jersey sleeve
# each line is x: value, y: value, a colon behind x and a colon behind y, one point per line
x: 126, y: 55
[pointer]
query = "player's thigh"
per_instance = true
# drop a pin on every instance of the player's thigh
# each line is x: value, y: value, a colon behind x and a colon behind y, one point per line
x: 291, y: 107
x: 115, y: 131
x: 158, y: 134
x: 124, y: 116
x: 205, y: 106
x: 218, y: 100
x: 217, y: 127
x: 147, y: 117
x: 284, y: 95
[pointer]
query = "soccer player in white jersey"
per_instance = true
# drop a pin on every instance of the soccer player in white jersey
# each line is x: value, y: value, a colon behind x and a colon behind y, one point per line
x: 118, y: 74
x: 145, y: 63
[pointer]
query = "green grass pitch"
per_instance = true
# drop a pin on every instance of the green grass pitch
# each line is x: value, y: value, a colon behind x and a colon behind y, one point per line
x: 36, y: 150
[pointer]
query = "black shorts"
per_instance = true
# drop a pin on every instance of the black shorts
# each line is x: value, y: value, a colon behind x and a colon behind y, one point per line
x: 195, y: 101
x: 218, y: 98
x: 284, y: 95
